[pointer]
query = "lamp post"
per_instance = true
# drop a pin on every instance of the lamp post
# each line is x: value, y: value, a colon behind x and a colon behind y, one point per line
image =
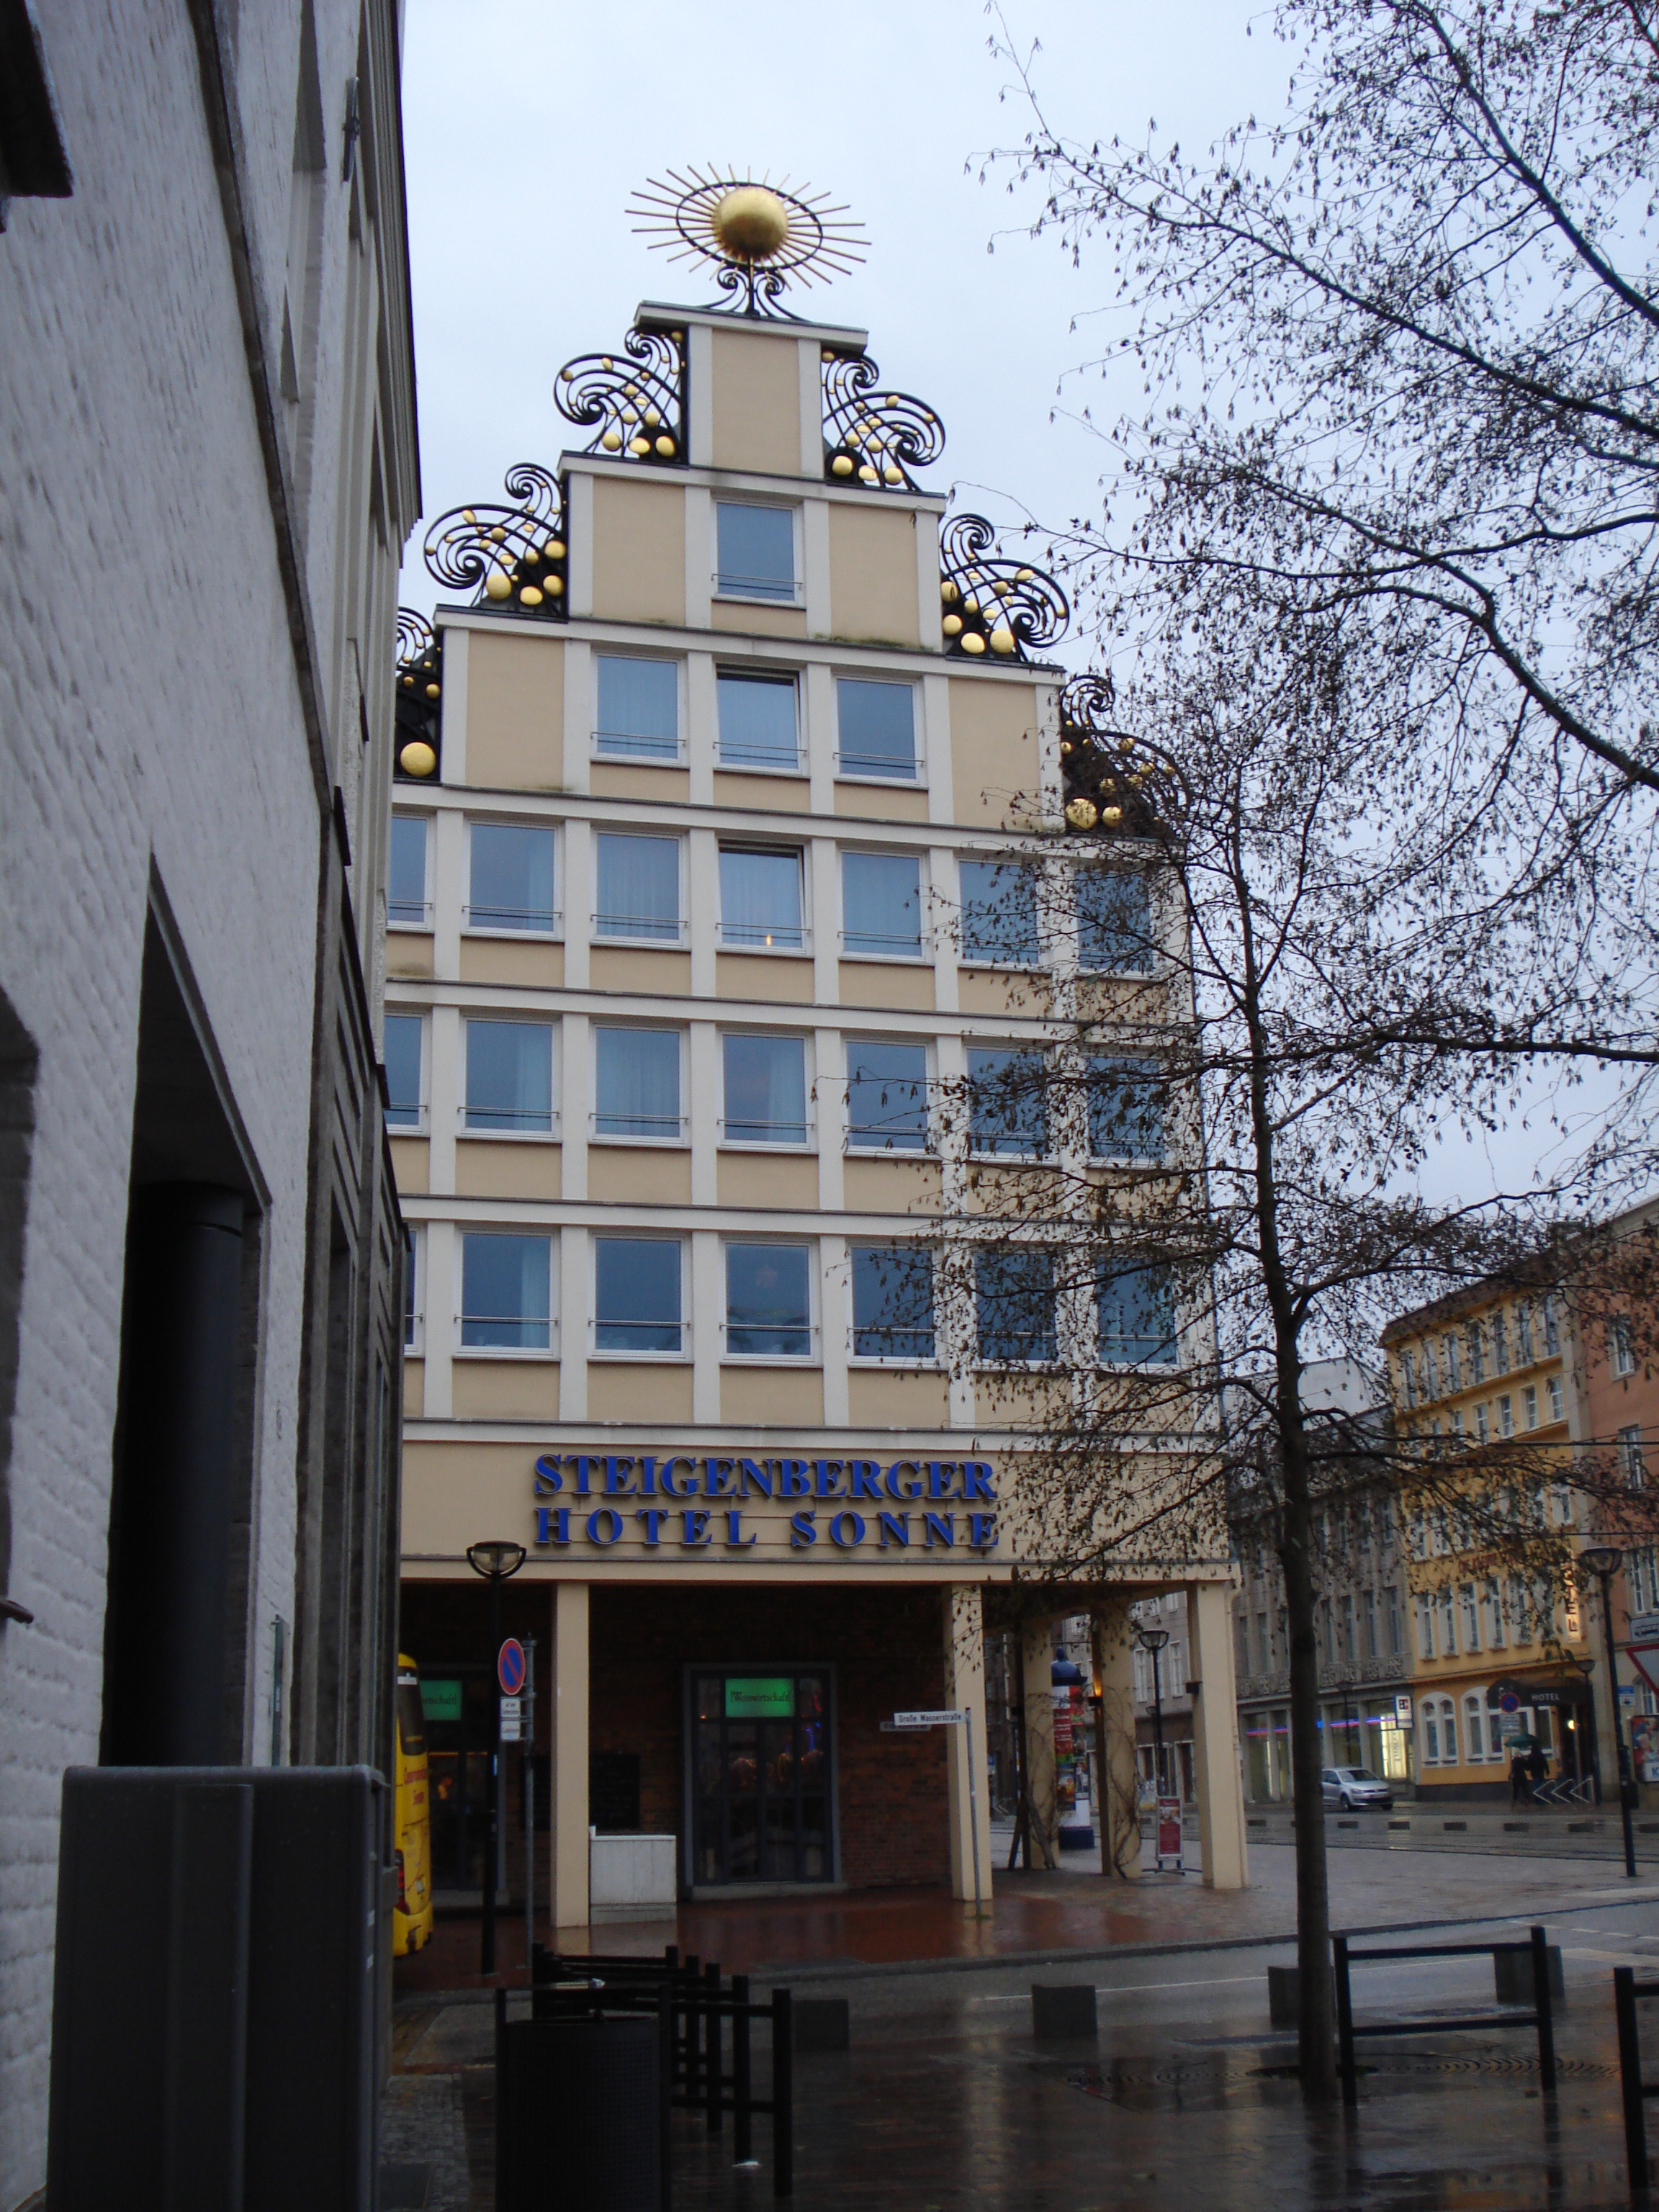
x: 1604, y: 1561
x: 1153, y: 1640
x: 494, y: 1561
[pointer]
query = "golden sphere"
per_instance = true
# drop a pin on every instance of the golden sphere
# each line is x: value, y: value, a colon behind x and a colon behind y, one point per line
x: 1111, y: 816
x: 496, y: 586
x: 842, y: 465
x: 868, y: 474
x: 432, y: 691
x: 948, y: 592
x: 554, y: 586
x: 1002, y: 639
x: 530, y: 597
x: 951, y: 625
x: 893, y: 473
x: 652, y: 418
x: 418, y: 758
x: 554, y: 549
x: 638, y: 446
x: 611, y: 441
x: 750, y: 223
x: 1082, y: 813
x: 973, y: 642
x: 665, y: 447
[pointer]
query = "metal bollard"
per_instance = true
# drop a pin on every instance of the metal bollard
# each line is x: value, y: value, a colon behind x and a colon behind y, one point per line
x: 714, y: 2045
x: 743, y: 2088
x: 1630, y: 2083
x: 1345, y: 2059
x: 783, y: 2096
x: 1540, y: 1985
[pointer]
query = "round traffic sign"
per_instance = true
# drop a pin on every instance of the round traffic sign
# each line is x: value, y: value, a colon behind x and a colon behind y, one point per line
x: 1508, y: 1703
x: 510, y: 1668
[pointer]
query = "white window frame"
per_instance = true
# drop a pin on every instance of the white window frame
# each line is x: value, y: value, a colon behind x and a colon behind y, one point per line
x: 415, y: 1343
x: 978, y: 961
x: 1477, y: 1713
x: 882, y: 1359
x: 923, y: 956
x: 809, y: 1144
x: 551, y: 1135
x: 681, y: 928
x: 678, y: 756
x: 423, y: 928
x: 812, y: 1356
x: 613, y: 1356
x: 771, y: 672
x: 791, y: 507
x: 553, y: 936
x: 1039, y: 1049
x: 916, y: 783
x: 1137, y: 1160
x: 1059, y: 1361
x: 507, y: 1351
x: 422, y: 1125
x: 1074, y: 923
x: 1557, y: 1398
x: 775, y: 848
x: 928, y: 1148
x: 676, y: 1143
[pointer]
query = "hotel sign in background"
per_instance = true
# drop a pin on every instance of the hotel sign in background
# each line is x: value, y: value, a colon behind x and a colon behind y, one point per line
x: 723, y: 1503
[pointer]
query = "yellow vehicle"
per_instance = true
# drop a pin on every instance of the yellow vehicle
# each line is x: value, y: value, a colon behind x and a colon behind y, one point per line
x: 411, y: 1923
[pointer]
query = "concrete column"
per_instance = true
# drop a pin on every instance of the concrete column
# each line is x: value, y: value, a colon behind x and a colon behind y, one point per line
x: 1037, y: 1645
x: 1215, y: 1736
x: 1116, y: 1803
x: 964, y: 1689
x: 568, y: 1688
x: 835, y: 1316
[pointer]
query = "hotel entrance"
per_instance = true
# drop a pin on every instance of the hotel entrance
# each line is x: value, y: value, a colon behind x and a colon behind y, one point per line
x: 759, y: 1787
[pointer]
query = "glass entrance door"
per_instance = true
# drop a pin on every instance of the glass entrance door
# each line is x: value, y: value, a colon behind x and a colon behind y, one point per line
x: 760, y: 1776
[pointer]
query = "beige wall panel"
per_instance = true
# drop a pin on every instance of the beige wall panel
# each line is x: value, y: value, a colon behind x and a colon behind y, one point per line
x: 414, y: 1388
x: 505, y: 1390
x: 516, y: 712
x: 872, y: 574
x: 407, y: 954
x: 1018, y: 1401
x: 886, y: 1185
x: 865, y: 802
x: 774, y: 794
x: 623, y: 780
x: 998, y: 991
x: 639, y: 553
x: 764, y: 977
x: 639, y: 1175
x: 882, y: 983
x: 536, y: 967
x: 767, y: 1179
x: 635, y: 1390
x: 1100, y: 998
x: 786, y: 1397
x: 409, y: 1166
x: 487, y: 1169
x: 993, y: 746
x: 745, y: 619
x: 756, y: 403
x: 632, y: 968
x: 884, y: 1399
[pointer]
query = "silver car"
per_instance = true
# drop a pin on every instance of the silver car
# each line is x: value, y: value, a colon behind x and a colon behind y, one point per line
x: 1355, y: 1789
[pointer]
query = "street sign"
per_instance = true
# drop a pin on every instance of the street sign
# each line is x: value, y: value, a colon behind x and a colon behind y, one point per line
x: 1402, y: 1709
x: 511, y: 1730
x: 1644, y: 1628
x: 510, y: 1668
x: 1169, y: 1831
x: 512, y: 1708
x: 1507, y: 1702
x: 929, y: 1720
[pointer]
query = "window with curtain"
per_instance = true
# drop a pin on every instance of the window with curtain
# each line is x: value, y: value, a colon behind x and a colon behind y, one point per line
x: 1474, y: 1734
x: 639, y: 707
x: 759, y: 725
x: 768, y: 1301
x: 1014, y: 1305
x: 881, y: 905
x: 1632, y: 1457
x: 512, y: 878
x: 754, y: 550
x: 636, y: 1083
x: 886, y: 1095
x: 999, y: 914
x: 876, y: 728
x: 1135, y: 1316
x: 637, y: 1294
x: 1114, y: 921
x: 760, y: 899
x: 765, y: 1089
x: 1447, y: 1733
x: 509, y: 1076
x: 892, y: 1302
x: 405, y: 894
x: 505, y: 1284
x: 403, y: 1070
x: 1007, y: 1103
x: 1126, y: 1109
x: 637, y: 887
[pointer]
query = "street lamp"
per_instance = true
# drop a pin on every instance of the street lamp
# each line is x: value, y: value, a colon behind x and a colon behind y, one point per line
x: 1153, y: 1640
x: 494, y: 1561
x: 1604, y: 1561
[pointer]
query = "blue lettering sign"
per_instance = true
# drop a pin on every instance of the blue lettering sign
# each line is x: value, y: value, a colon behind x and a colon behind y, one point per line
x: 670, y: 1487
x: 652, y: 1516
x: 605, y: 1513
x: 722, y: 1479
x: 696, y: 1526
x: 847, y: 1529
x: 939, y: 1474
x: 895, y: 1529
x: 940, y: 1526
x: 902, y: 1490
x: 618, y: 1477
x: 864, y: 1478
x: 582, y: 1466
x: 827, y: 1474
x: 983, y: 1531
x: 647, y: 1477
x: 802, y: 1531
x: 552, y: 1524
x: 735, y: 1539
x: 756, y: 1478
x: 549, y: 1481
x: 794, y: 1478
x: 976, y: 1479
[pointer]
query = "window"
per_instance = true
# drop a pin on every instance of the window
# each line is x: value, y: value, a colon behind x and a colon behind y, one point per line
x: 1430, y: 1378
x: 765, y: 1089
x: 892, y: 1302
x: 1529, y: 1405
x: 511, y: 878
x: 1480, y: 1422
x: 509, y: 1076
x: 1551, y: 1329
x: 1492, y: 1607
x: 636, y: 1083
x: 1474, y: 1731
x: 403, y: 1070
x: 1014, y: 1305
x: 1114, y: 923
x: 1373, y: 1649
x: 411, y: 1298
x: 504, y: 1283
x: 881, y: 905
x: 638, y: 887
x: 1448, y: 1625
x: 1500, y: 1344
x: 406, y: 901
x: 1448, y: 1353
x: 1505, y: 1415
x: 1620, y: 1357
x: 1523, y: 1333
x: 755, y: 551
x: 886, y: 1095
x: 1407, y: 1379
x: 1424, y: 1629
x: 999, y: 914
x: 1135, y: 1312
x: 639, y: 712
x: 758, y: 725
x: 1007, y: 1103
x: 875, y: 728
x: 1471, y: 1618
x: 637, y: 1302
x: 1477, y: 1354
x: 1558, y: 1409
x: 768, y: 1309
x: 1126, y: 1109
x: 1630, y: 1458
x: 760, y: 899
x: 1391, y: 1597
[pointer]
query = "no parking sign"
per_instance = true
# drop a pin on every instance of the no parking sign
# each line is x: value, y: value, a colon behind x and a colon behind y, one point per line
x: 510, y: 1668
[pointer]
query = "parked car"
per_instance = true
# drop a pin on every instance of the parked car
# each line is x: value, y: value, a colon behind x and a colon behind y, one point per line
x: 1355, y: 1789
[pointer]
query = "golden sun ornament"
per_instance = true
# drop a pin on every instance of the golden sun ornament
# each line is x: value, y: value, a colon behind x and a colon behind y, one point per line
x: 761, y: 235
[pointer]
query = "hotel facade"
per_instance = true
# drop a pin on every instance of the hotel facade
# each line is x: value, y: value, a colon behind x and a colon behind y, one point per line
x: 720, y: 859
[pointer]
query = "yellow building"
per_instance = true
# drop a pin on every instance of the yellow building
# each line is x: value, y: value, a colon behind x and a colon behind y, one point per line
x: 708, y: 850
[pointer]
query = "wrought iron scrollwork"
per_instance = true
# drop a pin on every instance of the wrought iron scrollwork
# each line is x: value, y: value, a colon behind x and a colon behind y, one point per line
x: 1105, y: 771
x: 507, y: 555
x: 992, y: 604
x: 870, y: 436
x: 418, y: 689
x: 638, y: 404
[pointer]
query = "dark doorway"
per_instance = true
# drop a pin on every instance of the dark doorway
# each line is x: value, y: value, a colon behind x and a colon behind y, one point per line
x: 760, y: 1775
x: 459, y: 1715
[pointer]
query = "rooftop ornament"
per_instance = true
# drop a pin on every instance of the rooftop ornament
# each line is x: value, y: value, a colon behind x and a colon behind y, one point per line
x: 418, y: 684
x: 510, y: 556
x: 992, y: 604
x: 638, y: 404
x: 761, y: 237
x: 872, y: 437
x: 1107, y: 772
